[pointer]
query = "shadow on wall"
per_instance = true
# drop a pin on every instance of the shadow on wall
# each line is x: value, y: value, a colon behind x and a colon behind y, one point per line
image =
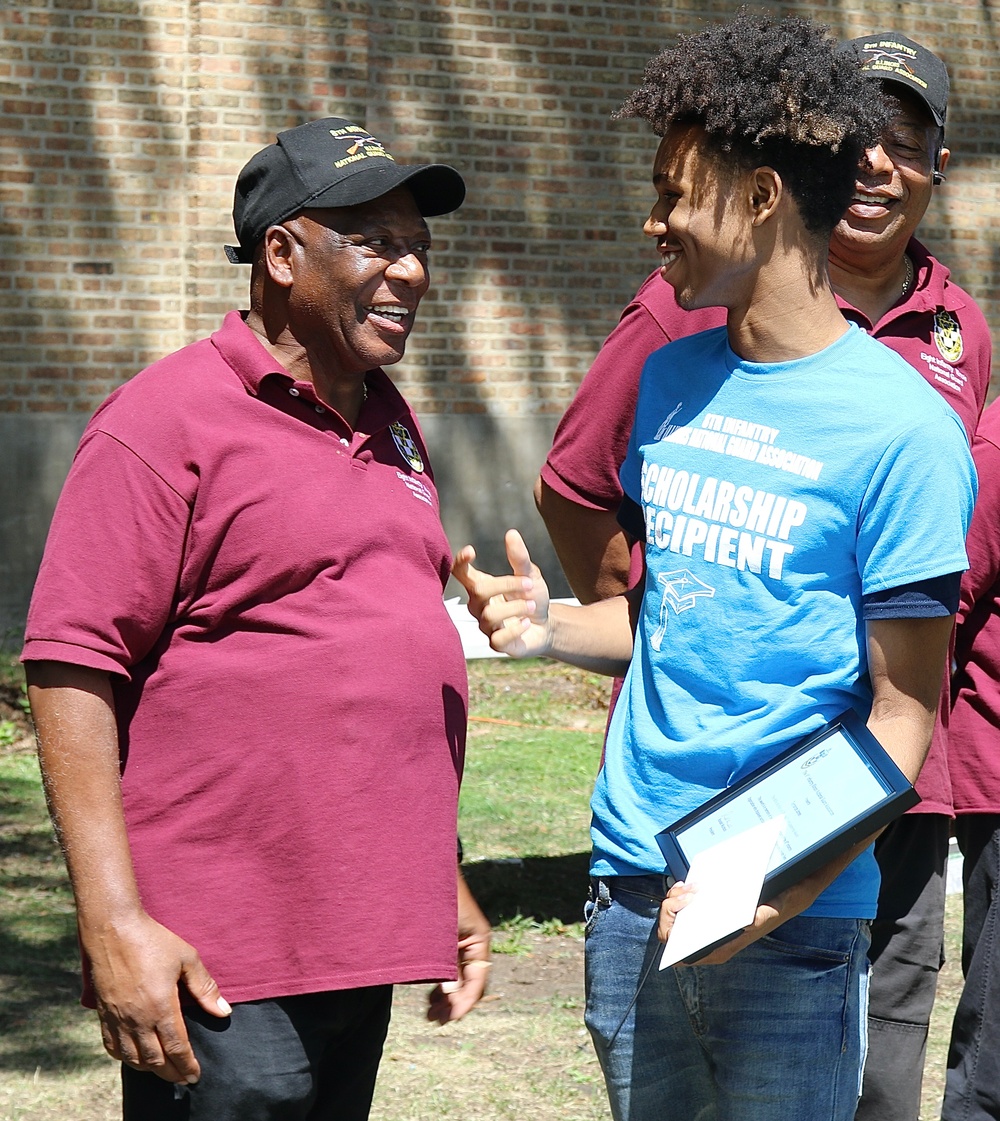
x: 37, y: 457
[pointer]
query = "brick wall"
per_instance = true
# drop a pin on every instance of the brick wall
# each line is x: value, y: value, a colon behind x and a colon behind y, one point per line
x: 123, y: 124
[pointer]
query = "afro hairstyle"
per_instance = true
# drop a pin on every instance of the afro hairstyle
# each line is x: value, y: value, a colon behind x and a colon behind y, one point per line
x: 776, y: 92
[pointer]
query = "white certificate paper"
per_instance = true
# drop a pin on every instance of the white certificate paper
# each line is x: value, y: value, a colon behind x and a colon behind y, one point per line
x: 817, y: 792
x: 727, y: 879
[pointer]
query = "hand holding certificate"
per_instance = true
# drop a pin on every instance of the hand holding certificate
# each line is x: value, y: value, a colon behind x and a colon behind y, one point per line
x: 726, y: 879
x: 777, y: 826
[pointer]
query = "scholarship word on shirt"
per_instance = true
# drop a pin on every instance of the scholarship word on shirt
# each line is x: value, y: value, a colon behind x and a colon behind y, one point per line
x: 718, y: 520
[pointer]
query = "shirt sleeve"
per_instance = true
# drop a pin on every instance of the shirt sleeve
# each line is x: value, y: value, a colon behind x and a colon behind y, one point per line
x: 917, y: 507
x: 107, y: 585
x: 923, y: 599
x: 592, y: 437
x: 983, y: 542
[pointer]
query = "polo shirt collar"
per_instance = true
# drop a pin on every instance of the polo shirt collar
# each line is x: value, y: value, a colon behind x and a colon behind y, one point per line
x: 930, y: 292
x: 244, y: 353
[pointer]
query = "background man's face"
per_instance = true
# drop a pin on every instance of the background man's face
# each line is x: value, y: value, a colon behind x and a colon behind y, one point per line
x: 361, y: 275
x: 894, y: 183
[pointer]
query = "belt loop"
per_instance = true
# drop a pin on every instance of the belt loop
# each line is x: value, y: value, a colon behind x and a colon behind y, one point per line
x: 603, y: 893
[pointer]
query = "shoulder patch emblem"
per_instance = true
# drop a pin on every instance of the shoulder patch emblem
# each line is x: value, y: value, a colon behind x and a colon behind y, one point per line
x: 406, y: 445
x: 948, y: 336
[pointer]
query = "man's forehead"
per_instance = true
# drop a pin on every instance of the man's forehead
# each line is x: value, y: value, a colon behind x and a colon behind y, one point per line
x: 679, y: 146
x: 396, y: 211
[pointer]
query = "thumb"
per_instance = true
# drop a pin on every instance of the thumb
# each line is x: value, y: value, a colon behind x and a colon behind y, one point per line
x: 517, y: 554
x: 203, y: 988
x: 462, y: 568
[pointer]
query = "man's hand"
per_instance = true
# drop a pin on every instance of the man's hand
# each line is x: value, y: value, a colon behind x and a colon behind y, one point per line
x: 136, y: 969
x: 513, y: 611
x: 452, y: 999
x: 769, y: 916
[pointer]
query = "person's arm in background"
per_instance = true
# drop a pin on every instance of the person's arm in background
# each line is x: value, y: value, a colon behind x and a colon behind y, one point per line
x: 983, y: 542
x: 577, y: 492
x: 136, y: 964
x: 590, y: 544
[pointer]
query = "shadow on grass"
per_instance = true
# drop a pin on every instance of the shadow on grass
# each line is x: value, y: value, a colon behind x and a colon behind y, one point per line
x: 538, y: 887
x: 40, y: 1011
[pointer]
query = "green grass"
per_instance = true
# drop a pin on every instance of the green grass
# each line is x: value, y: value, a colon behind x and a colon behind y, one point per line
x: 534, y: 748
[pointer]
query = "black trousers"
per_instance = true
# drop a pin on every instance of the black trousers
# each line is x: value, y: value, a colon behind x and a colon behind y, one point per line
x: 297, y: 1058
x: 907, y: 951
x: 972, y: 1090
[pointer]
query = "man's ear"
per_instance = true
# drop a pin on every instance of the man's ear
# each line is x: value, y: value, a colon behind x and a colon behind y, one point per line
x: 942, y: 163
x: 280, y: 248
x: 765, y: 193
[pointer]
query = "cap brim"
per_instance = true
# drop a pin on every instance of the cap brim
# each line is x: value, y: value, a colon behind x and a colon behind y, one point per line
x: 436, y: 188
x: 913, y: 90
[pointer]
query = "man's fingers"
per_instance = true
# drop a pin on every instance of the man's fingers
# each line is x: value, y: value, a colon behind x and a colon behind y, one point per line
x: 162, y: 1047
x: 517, y: 554
x: 201, y: 985
x: 462, y: 568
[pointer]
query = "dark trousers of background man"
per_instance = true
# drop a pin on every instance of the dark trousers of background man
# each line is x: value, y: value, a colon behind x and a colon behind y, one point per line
x: 907, y: 952
x: 972, y: 1091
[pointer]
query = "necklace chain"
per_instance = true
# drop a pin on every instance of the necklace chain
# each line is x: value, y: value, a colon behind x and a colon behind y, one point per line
x: 907, y: 275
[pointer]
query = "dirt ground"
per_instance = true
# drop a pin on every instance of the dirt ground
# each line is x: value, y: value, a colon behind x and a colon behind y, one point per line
x: 523, y: 1053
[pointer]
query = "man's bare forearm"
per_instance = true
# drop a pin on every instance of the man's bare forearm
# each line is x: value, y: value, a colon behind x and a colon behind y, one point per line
x: 590, y: 544
x: 74, y: 715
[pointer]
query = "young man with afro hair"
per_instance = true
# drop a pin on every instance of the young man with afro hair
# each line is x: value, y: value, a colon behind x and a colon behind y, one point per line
x: 802, y: 556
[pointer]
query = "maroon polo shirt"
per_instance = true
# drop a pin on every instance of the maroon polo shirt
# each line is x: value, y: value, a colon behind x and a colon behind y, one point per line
x: 974, y: 736
x: 264, y: 585
x: 938, y: 329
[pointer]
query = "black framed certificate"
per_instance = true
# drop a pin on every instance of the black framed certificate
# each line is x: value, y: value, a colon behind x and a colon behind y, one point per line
x: 833, y: 788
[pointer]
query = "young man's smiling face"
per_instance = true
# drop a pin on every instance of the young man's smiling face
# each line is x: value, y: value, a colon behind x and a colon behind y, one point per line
x: 894, y: 182
x: 701, y: 221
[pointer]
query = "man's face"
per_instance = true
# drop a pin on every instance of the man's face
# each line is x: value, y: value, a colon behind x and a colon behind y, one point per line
x: 360, y: 274
x: 894, y: 182
x: 702, y: 233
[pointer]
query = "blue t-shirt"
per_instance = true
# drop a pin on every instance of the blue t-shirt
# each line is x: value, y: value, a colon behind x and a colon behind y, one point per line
x: 774, y: 497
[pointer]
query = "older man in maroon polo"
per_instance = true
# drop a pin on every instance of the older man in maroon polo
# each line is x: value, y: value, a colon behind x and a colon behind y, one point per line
x: 254, y: 781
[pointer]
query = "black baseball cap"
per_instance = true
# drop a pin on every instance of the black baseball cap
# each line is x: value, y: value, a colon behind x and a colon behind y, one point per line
x: 330, y: 162
x: 893, y: 57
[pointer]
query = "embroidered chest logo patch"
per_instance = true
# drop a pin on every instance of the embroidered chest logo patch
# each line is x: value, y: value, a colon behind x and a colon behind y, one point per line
x: 948, y: 336
x: 407, y: 446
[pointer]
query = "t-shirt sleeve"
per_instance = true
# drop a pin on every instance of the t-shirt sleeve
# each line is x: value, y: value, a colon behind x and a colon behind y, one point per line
x: 108, y: 581
x: 983, y: 542
x: 592, y: 437
x: 917, y: 507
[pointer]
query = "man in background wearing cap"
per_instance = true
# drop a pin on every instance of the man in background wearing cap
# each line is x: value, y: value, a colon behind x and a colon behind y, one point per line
x: 254, y: 780
x: 888, y: 283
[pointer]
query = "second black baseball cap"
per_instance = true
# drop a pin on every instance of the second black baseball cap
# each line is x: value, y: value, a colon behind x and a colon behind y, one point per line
x: 895, y: 58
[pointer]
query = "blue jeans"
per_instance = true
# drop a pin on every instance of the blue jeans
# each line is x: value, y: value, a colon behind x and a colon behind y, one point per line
x: 778, y: 1032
